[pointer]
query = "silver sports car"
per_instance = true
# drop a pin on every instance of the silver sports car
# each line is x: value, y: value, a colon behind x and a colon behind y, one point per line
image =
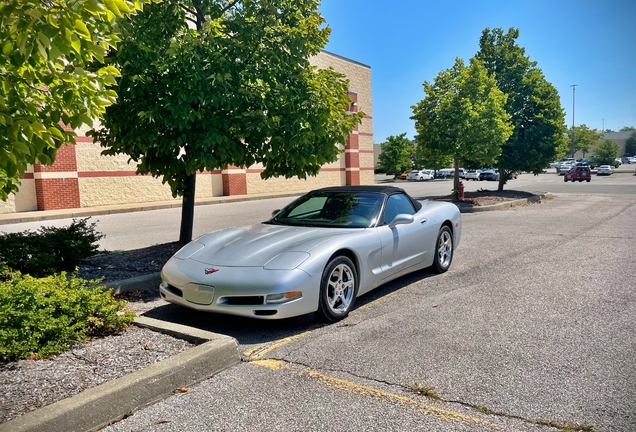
x: 315, y: 255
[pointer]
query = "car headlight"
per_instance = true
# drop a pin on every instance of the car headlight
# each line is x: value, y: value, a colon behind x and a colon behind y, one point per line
x: 282, y: 297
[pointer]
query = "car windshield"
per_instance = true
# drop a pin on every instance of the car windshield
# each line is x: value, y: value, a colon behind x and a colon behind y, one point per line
x: 332, y: 209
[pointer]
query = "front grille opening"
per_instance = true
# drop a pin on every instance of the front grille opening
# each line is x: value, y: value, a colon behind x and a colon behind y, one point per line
x: 267, y: 312
x: 174, y: 291
x: 243, y: 300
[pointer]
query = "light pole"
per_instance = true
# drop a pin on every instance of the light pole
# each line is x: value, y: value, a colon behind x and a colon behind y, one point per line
x: 573, y: 95
x: 603, y: 126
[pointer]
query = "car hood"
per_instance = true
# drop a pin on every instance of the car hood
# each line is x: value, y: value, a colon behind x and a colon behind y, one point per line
x: 256, y: 245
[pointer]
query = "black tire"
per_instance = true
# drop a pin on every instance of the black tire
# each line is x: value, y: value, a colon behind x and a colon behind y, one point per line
x: 588, y: 180
x: 565, y: 179
x: 337, y: 295
x: 443, y: 250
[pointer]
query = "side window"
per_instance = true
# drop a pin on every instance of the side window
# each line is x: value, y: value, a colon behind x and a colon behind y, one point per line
x: 395, y: 205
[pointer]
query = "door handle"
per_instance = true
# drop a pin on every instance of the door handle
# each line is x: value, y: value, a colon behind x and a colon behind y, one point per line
x: 423, y: 220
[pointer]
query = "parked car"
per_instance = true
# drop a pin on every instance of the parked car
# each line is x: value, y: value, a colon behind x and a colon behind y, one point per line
x: 579, y: 173
x: 490, y: 175
x: 617, y: 162
x: 404, y: 174
x: 631, y: 159
x: 605, y: 170
x: 563, y: 167
x: 472, y: 175
x: 586, y: 162
x: 443, y: 174
x: 318, y: 254
x: 462, y: 172
x: 420, y: 175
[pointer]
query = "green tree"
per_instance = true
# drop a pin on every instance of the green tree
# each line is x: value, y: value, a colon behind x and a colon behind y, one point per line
x: 209, y: 84
x: 605, y: 153
x: 584, y: 139
x: 533, y: 104
x: 397, y: 154
x: 433, y: 158
x: 630, y: 144
x: 45, y: 81
x: 628, y: 128
x: 462, y: 116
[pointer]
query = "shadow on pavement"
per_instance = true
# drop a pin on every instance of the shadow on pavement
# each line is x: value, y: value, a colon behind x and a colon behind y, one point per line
x: 255, y: 331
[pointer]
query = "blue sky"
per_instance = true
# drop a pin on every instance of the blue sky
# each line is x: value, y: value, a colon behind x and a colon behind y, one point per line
x: 588, y: 43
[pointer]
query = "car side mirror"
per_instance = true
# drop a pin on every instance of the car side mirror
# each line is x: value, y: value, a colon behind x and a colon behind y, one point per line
x: 401, y: 219
x: 275, y: 212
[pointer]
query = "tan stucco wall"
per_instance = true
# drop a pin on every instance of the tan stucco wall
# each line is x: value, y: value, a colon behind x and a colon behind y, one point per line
x: 24, y: 200
x: 89, y: 158
x: 280, y: 184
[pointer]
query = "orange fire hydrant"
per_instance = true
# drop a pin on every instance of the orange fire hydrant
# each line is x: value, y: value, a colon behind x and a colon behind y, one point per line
x: 461, y: 190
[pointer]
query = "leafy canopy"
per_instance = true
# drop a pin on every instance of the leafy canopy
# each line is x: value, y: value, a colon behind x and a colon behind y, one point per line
x: 583, y: 138
x: 462, y: 116
x: 206, y: 85
x: 605, y: 153
x: 533, y: 104
x: 630, y: 144
x: 397, y: 154
x: 45, y: 80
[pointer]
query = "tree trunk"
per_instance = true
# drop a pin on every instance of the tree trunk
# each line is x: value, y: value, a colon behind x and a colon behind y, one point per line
x: 187, y: 210
x: 502, y: 179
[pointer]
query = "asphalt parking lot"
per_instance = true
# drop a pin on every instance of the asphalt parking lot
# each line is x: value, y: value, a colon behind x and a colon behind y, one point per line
x: 534, y: 326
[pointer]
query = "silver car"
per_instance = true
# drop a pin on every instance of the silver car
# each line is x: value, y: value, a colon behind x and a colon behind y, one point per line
x: 318, y: 254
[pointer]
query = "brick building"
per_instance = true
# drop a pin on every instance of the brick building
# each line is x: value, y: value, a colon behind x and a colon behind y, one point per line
x: 82, y: 177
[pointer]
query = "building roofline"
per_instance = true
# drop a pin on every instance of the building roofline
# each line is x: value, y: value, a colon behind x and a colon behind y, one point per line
x: 346, y: 58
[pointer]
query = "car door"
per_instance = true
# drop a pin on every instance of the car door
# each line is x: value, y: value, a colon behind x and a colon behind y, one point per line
x: 403, y: 246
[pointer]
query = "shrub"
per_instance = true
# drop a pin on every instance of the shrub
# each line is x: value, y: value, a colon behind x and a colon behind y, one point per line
x: 49, y: 250
x: 43, y: 317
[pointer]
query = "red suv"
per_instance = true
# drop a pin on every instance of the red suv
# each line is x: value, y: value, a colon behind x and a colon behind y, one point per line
x: 579, y: 173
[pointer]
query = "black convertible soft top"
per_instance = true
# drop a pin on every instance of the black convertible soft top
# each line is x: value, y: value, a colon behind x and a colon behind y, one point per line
x: 387, y: 190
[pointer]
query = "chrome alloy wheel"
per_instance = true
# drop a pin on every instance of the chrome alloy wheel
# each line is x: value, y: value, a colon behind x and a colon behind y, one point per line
x: 444, y: 249
x: 340, y: 289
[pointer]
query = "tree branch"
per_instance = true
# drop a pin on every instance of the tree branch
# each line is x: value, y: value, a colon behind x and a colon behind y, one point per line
x: 229, y: 6
x: 187, y: 9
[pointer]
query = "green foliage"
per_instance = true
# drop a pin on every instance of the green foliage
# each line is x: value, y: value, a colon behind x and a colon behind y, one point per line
x: 605, y: 153
x: 630, y: 144
x: 49, y: 250
x: 584, y: 139
x: 628, y: 128
x: 397, y: 154
x: 44, y: 76
x: 462, y: 116
x: 43, y: 317
x: 533, y: 104
x: 206, y: 85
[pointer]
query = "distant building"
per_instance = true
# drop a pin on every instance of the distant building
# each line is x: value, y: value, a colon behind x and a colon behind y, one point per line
x: 619, y: 138
x: 81, y: 177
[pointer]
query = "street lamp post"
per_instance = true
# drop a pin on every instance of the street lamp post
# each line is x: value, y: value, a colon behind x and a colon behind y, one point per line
x: 573, y: 95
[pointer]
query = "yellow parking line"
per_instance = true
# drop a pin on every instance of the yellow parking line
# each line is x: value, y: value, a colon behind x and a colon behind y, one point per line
x: 415, y: 405
x: 259, y: 351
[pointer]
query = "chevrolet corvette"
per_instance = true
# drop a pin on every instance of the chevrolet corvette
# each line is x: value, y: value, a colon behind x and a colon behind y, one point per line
x: 316, y: 255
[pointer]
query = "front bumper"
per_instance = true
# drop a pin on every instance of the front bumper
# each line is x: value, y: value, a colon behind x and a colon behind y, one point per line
x: 238, y: 291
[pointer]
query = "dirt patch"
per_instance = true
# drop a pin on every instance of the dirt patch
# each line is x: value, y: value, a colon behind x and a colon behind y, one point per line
x: 484, y: 197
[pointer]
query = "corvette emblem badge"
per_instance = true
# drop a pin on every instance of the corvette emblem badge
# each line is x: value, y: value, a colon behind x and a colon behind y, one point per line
x: 210, y: 271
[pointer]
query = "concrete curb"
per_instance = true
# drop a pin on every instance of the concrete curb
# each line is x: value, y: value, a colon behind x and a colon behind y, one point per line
x: 505, y: 204
x: 147, y: 282
x: 98, y: 406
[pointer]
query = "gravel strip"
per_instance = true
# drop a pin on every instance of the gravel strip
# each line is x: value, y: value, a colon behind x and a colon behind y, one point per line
x: 31, y: 384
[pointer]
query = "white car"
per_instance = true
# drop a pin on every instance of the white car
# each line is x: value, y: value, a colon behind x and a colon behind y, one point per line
x: 617, y: 162
x: 420, y: 175
x: 605, y: 170
x: 472, y: 174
